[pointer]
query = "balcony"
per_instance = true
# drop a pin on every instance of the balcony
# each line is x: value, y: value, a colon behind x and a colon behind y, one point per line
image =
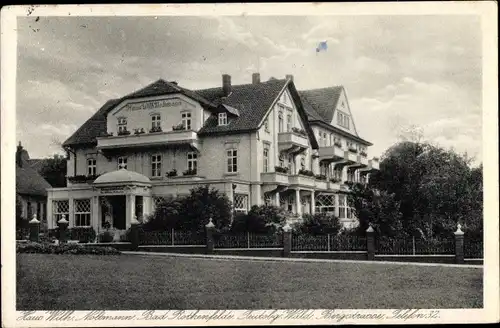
x: 321, y: 184
x: 331, y: 153
x: 179, y: 137
x: 292, y: 142
x: 275, y: 178
x: 303, y: 180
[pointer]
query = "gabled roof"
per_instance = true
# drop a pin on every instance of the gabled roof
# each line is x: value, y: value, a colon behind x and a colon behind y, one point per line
x: 30, y: 182
x: 252, y: 101
x: 36, y: 163
x: 323, y: 101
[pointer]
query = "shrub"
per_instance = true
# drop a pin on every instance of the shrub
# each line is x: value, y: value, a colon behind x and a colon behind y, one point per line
x: 260, y: 219
x: 166, y: 215
x: 105, y: 237
x: 45, y: 248
x: 318, y: 224
x: 280, y: 169
x: 306, y: 173
x: 82, y: 234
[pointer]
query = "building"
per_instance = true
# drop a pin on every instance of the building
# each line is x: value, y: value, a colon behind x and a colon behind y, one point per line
x: 31, y: 188
x: 263, y: 142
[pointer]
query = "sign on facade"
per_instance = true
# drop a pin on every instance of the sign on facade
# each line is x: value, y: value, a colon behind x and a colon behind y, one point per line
x: 154, y: 104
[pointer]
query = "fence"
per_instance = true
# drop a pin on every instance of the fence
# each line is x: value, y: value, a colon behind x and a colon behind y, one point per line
x: 473, y: 248
x: 328, y: 243
x: 171, y: 237
x: 414, y: 246
x: 248, y: 240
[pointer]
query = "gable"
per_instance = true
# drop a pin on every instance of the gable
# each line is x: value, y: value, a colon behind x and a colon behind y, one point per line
x: 342, y: 115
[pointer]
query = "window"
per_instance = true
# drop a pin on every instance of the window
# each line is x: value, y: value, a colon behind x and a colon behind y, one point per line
x: 122, y: 163
x: 155, y: 121
x: 266, y: 125
x: 337, y: 173
x: 290, y: 164
x: 289, y: 122
x: 222, y: 118
x: 280, y: 122
x: 303, y: 162
x: 186, y: 120
x: 337, y: 141
x: 156, y: 165
x: 281, y: 160
x: 240, y: 203
x: 342, y: 207
x: 232, y: 161
x: 331, y: 139
x: 60, y: 208
x: 320, y: 141
x: 192, y: 161
x: 91, y: 166
x: 325, y: 139
x: 268, y: 199
x: 350, y: 176
x: 343, y: 120
x: 325, y: 203
x: 82, y: 212
x: 122, y: 124
x: 266, y: 160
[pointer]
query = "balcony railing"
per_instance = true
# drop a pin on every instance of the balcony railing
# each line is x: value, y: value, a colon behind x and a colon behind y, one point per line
x: 274, y: 178
x: 149, y: 139
x: 331, y: 153
x: 292, y: 141
x: 303, y: 180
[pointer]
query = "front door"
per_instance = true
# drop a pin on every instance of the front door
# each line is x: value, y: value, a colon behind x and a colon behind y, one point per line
x: 114, y: 211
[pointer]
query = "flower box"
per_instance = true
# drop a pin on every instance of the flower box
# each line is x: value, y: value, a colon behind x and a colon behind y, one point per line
x: 353, y: 150
x: 189, y: 172
x: 172, y: 173
x: 139, y: 131
x: 82, y: 178
x: 337, y: 144
x: 334, y: 180
x: 321, y: 177
x: 179, y: 127
x: 364, y: 154
x: 280, y: 169
x: 299, y: 131
x: 306, y: 173
x: 155, y: 129
x: 123, y: 133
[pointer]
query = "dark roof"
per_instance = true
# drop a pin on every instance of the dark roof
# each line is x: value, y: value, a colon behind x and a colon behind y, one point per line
x: 323, y: 101
x: 30, y: 182
x: 36, y: 163
x: 252, y: 101
x: 320, y: 106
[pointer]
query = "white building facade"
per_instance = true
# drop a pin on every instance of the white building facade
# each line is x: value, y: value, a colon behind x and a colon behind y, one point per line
x: 263, y: 142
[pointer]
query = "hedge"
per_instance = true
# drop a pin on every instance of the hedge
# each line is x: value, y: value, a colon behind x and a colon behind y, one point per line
x: 45, y: 248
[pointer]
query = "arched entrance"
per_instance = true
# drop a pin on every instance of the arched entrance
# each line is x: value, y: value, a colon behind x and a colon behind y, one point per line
x: 123, y: 195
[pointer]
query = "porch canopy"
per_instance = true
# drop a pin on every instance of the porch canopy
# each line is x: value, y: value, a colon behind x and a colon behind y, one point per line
x: 128, y: 184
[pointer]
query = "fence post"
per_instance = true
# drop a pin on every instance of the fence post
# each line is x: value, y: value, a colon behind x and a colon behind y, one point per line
x: 34, y: 225
x: 328, y: 247
x: 459, y: 245
x: 413, y: 244
x: 134, y: 234
x: 210, y: 228
x: 370, y: 243
x: 248, y: 239
x: 172, y: 236
x: 63, y: 226
x: 287, y: 240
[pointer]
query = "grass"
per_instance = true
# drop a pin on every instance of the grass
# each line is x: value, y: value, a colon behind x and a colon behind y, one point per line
x: 131, y: 282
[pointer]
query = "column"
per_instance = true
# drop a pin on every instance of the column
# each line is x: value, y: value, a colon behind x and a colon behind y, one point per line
x: 130, y: 211
x: 277, y: 199
x: 298, y: 205
x: 50, y: 218
x: 147, y: 205
x: 256, y: 195
x: 313, y: 202
x: 94, y: 214
x: 71, y: 212
x: 315, y: 165
x: 343, y: 175
x: 336, y: 199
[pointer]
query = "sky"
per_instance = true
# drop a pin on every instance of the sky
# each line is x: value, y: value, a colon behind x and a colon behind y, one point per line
x: 401, y: 73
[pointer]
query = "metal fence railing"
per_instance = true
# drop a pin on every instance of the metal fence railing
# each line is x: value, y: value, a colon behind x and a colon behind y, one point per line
x: 328, y: 243
x: 171, y: 237
x: 473, y: 248
x: 248, y: 240
x: 415, y: 246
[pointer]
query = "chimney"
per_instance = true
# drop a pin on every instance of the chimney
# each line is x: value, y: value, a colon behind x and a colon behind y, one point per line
x: 226, y: 84
x: 255, y: 78
x: 289, y: 77
x: 19, y: 160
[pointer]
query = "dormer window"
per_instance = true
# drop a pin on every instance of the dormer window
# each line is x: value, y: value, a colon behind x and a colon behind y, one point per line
x: 122, y: 124
x: 222, y: 118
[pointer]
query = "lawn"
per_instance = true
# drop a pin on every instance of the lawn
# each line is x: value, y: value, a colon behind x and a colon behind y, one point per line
x: 131, y: 282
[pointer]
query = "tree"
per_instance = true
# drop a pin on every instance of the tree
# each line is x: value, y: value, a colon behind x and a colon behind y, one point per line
x: 433, y: 188
x: 260, y: 219
x: 167, y: 215
x: 54, y: 170
x: 319, y: 224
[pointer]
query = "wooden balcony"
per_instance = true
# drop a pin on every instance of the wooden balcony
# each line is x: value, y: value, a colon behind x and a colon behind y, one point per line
x: 163, y: 139
x: 292, y: 142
